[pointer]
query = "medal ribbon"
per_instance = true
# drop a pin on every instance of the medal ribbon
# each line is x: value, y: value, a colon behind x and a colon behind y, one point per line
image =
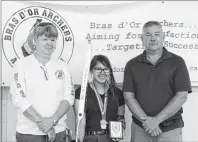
x: 103, y: 107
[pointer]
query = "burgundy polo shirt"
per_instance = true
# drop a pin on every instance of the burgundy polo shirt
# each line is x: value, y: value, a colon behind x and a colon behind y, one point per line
x: 155, y: 85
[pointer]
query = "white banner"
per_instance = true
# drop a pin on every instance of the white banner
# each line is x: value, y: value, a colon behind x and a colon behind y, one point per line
x: 114, y: 30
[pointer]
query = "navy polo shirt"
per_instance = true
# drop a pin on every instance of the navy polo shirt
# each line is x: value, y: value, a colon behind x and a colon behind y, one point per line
x: 155, y: 85
x: 92, y: 110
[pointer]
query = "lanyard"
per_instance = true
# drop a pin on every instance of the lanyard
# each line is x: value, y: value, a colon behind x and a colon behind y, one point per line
x: 103, y: 107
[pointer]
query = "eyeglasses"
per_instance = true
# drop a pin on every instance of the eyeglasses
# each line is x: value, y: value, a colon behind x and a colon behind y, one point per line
x: 99, y: 70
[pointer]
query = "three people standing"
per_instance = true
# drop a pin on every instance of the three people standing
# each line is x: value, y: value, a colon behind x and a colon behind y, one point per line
x: 156, y: 85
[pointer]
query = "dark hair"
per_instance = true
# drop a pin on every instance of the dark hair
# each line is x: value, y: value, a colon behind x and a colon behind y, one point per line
x: 45, y: 28
x: 151, y: 23
x: 105, y: 61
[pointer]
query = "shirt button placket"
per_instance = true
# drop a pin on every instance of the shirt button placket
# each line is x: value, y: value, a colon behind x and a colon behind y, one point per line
x: 151, y: 77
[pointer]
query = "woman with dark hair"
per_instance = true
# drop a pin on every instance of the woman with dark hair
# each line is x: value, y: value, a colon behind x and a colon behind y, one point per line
x: 104, y: 102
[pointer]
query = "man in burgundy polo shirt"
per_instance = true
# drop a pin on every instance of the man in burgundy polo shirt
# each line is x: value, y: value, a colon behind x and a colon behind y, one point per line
x: 156, y: 85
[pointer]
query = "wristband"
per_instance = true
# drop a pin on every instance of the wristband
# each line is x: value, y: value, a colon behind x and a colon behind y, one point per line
x: 119, y: 117
x: 143, y: 118
x: 39, y: 121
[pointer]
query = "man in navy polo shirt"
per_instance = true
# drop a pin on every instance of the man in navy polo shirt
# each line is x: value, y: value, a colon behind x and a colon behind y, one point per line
x: 156, y: 85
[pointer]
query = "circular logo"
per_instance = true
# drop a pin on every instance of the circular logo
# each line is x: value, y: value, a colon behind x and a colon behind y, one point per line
x: 59, y: 74
x: 17, y: 36
x: 116, y: 127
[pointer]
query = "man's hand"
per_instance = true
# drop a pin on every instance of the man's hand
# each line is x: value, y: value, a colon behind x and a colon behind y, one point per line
x: 156, y: 132
x: 150, y: 124
x: 46, y: 124
x: 51, y: 135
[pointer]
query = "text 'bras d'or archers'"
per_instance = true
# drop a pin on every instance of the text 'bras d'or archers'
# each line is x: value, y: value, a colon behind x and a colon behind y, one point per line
x: 39, y: 12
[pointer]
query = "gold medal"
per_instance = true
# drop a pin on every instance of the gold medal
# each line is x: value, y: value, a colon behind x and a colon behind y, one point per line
x: 103, y: 124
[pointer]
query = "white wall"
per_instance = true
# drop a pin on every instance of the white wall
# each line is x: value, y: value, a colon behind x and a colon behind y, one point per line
x: 191, y: 117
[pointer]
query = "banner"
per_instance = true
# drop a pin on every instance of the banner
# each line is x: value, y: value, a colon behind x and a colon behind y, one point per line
x: 115, y: 31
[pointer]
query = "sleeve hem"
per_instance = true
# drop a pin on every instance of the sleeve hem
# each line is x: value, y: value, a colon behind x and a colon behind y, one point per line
x: 70, y: 99
x: 187, y: 89
x: 121, y: 104
x: 131, y: 91
x: 25, y: 107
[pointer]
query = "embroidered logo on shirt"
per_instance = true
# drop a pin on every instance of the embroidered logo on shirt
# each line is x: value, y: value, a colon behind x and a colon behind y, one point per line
x: 18, y: 85
x: 16, y: 77
x: 59, y: 74
x: 72, y: 89
x: 22, y: 93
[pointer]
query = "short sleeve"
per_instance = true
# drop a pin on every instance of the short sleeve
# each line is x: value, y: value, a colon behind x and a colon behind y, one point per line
x: 128, y: 85
x: 77, y: 93
x: 120, y: 97
x: 181, y: 77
